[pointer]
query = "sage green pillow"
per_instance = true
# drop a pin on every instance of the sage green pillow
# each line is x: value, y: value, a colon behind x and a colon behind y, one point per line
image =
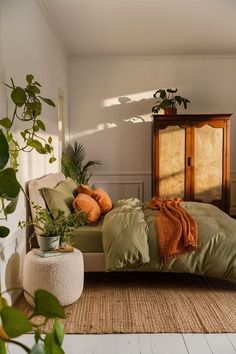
x: 57, y: 200
x: 71, y: 184
x: 64, y: 187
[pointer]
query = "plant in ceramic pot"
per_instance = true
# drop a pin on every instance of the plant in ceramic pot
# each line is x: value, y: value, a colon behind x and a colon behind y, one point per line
x: 51, y: 232
x: 169, y: 101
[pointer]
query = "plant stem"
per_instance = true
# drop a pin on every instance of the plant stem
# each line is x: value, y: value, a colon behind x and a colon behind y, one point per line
x: 28, y: 350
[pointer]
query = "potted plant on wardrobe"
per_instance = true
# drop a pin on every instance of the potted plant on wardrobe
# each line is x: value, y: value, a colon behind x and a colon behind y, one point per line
x: 27, y: 109
x: 169, y: 101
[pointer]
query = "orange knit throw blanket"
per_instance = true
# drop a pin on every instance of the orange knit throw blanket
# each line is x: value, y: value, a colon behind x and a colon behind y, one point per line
x: 177, y: 230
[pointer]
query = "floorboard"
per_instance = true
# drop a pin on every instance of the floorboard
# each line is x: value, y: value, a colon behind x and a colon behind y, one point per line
x: 196, y: 343
x: 143, y: 344
x: 168, y: 344
x: 220, y: 344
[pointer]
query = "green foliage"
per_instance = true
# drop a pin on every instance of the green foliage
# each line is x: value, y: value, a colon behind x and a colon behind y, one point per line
x: 73, y: 166
x: 60, y: 226
x: 14, y: 324
x: 47, y: 305
x: 3, y: 347
x: 9, y: 186
x: 4, y: 231
x: 27, y: 109
x: 168, y: 100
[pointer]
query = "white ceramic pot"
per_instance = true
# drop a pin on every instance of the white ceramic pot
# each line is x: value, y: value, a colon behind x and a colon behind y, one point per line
x: 48, y: 243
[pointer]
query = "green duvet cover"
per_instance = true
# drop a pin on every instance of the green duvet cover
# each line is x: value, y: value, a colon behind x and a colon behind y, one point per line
x: 130, y: 240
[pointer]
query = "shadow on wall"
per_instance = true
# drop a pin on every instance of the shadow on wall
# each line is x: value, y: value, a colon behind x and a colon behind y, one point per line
x: 12, y: 273
x: 121, y: 113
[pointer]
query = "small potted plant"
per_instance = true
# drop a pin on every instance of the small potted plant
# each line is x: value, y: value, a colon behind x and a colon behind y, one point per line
x: 52, y: 232
x: 169, y: 101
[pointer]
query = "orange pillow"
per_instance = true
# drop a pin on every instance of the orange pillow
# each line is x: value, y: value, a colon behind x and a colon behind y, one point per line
x: 103, y: 199
x: 85, y: 189
x: 87, y: 204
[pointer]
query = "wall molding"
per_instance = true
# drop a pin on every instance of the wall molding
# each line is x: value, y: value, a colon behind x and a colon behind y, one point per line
x: 112, y: 173
x: 143, y: 58
x: 139, y: 184
x: 142, y: 180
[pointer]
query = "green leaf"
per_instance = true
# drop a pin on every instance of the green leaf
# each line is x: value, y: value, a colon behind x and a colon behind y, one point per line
x: 3, y: 303
x: 29, y: 78
x: 41, y: 125
x: 4, y: 150
x: 50, y: 345
x: 48, y: 148
x: 4, y: 231
x: 48, y: 101
x: 5, y: 122
x: 14, y: 322
x: 37, y: 145
x: 37, y: 349
x: 37, y: 332
x: 11, y: 207
x: 18, y: 96
x: 47, y: 305
x: 2, y: 347
x: 58, y: 331
x: 50, y: 139
x: 35, y: 129
x: 52, y: 159
x: 8, y: 183
x: 172, y: 90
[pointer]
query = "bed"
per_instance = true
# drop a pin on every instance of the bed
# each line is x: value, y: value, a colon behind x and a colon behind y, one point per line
x: 90, y: 240
x: 132, y: 225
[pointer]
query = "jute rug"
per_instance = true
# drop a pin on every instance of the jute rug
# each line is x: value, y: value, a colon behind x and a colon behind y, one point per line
x: 150, y: 303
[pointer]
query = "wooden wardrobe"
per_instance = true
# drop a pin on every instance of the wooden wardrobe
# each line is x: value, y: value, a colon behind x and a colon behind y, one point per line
x: 190, y: 157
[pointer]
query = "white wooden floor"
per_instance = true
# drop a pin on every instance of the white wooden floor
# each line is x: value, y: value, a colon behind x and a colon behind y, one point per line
x: 144, y: 344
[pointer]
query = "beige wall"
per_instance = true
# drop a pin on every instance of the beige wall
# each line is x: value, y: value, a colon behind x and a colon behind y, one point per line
x: 29, y: 45
x: 110, y: 109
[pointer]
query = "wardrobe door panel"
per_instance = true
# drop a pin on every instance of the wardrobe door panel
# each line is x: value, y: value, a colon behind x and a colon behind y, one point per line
x: 208, y: 163
x: 172, y: 162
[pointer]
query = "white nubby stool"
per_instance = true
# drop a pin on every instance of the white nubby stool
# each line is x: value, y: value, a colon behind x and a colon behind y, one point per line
x: 62, y: 275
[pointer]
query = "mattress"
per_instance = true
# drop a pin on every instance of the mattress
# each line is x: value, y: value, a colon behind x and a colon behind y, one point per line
x: 88, y: 239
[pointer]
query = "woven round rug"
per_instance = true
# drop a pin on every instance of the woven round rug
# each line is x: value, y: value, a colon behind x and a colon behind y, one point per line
x: 149, y: 303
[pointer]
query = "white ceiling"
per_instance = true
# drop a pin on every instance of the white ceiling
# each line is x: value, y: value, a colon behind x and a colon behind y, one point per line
x: 144, y: 27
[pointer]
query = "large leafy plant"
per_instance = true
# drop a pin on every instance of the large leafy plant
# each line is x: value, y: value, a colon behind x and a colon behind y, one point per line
x: 168, y: 100
x: 62, y: 226
x: 14, y: 324
x: 27, y: 109
x: 73, y: 166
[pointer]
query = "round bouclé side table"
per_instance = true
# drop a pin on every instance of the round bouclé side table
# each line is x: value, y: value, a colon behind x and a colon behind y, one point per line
x: 62, y: 276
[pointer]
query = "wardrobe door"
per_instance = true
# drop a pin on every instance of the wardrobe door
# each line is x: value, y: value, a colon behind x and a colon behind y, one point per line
x: 170, y: 162
x: 209, y: 162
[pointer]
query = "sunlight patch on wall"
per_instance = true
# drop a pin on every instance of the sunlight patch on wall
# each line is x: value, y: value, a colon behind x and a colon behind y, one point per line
x: 142, y: 119
x: 134, y: 97
x: 99, y: 128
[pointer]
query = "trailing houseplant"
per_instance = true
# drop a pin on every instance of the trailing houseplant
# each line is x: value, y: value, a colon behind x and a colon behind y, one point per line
x: 61, y: 227
x: 169, y: 101
x: 73, y: 165
x: 14, y: 324
x: 27, y: 109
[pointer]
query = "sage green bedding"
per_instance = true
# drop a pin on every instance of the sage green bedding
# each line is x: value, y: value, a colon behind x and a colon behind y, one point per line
x: 130, y: 240
x: 88, y: 238
x: 124, y: 235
